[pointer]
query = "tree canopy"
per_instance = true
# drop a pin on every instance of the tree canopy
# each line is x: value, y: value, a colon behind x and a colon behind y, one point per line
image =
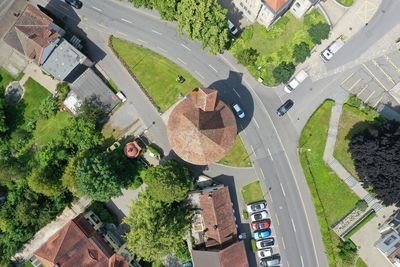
x: 247, y: 56
x: 319, y: 31
x: 169, y: 182
x: 375, y: 153
x: 3, y: 125
x: 283, y: 72
x: 301, y: 51
x: 81, y: 135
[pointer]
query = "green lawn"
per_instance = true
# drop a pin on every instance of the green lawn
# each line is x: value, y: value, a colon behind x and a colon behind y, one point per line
x: 238, y: 156
x: 155, y: 73
x: 5, y: 79
x: 360, y: 263
x: 360, y: 225
x: 331, y: 196
x: 50, y: 129
x: 346, y: 2
x: 355, y: 118
x: 252, y: 192
x: 276, y: 44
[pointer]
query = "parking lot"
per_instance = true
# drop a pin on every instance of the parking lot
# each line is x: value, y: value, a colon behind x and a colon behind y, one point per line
x: 374, y: 81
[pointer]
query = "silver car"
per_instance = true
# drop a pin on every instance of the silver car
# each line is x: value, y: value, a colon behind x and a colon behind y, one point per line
x: 255, y: 207
x: 259, y: 216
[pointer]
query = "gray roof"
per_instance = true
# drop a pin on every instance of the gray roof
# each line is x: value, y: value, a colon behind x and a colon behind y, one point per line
x: 63, y: 60
x: 89, y: 84
x: 205, y: 258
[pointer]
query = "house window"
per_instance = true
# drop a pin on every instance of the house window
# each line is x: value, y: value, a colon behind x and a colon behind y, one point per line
x: 389, y: 240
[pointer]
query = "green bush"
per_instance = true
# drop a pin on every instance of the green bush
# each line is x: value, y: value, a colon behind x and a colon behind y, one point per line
x: 301, y: 51
x: 253, y: 246
x: 154, y: 151
x: 318, y: 32
x: 104, y: 214
x: 283, y: 72
x: 48, y: 108
x: 247, y: 56
x: 245, y: 215
x: 62, y: 91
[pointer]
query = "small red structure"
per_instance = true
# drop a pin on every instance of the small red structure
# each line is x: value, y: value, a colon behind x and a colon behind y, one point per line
x: 132, y: 150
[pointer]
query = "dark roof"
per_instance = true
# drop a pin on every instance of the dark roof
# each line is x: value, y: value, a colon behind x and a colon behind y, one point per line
x: 78, y: 244
x: 232, y: 256
x: 32, y: 32
x: 218, y: 218
x: 202, y: 128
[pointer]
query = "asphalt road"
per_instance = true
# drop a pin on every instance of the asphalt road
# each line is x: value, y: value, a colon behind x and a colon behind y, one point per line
x: 271, y: 140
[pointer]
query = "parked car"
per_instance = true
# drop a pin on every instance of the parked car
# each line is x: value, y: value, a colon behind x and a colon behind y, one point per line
x: 263, y: 253
x: 259, y: 216
x: 297, y: 79
x: 113, y: 146
x: 74, y: 3
x: 255, y: 207
x: 260, y: 225
x: 262, y: 234
x: 285, y: 107
x: 238, y: 110
x: 265, y: 243
x: 232, y: 29
x: 121, y: 96
x: 274, y: 260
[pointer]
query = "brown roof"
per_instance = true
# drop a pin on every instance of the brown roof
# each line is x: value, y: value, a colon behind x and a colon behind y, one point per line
x: 218, y: 218
x: 31, y: 33
x: 202, y: 128
x: 78, y: 244
x: 132, y: 149
x: 395, y: 255
x: 275, y: 5
x: 232, y: 256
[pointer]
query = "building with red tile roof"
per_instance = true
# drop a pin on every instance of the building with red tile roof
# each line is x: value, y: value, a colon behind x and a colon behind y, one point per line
x: 78, y: 244
x: 202, y: 128
x: 276, y: 5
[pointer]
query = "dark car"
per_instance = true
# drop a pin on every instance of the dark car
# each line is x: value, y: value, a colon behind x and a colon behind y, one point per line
x: 285, y: 107
x: 75, y: 3
x: 274, y: 260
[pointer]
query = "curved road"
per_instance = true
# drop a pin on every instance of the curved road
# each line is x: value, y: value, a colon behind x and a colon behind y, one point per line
x: 272, y: 141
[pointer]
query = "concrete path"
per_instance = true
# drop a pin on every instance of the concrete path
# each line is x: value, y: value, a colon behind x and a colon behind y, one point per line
x: 33, y: 71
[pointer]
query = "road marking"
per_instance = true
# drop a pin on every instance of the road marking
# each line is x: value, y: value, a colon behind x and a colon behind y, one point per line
x: 156, y: 32
x: 236, y: 92
x: 354, y: 84
x: 270, y: 197
x: 288, y: 264
x: 383, y: 71
x: 283, y: 190
x: 212, y: 68
x: 345, y: 80
x: 181, y: 60
x: 256, y: 123
x: 377, y: 102
x: 103, y: 26
x: 294, y: 227
x: 127, y: 21
x: 373, y: 92
x: 362, y: 90
x: 98, y: 9
x: 376, y: 79
x: 254, y: 152
x: 162, y: 49
x: 187, y: 48
x: 392, y: 63
x: 140, y: 40
x: 283, y: 243
x: 277, y: 219
x: 302, y: 262
x: 198, y: 73
x: 121, y: 33
x: 269, y: 152
x: 262, y: 173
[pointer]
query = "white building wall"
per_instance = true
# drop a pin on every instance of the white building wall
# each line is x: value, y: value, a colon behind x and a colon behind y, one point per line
x: 300, y: 7
x: 249, y: 8
x: 265, y: 17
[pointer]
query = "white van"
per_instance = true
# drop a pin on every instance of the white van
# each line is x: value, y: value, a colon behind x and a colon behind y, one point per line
x: 232, y: 29
x: 328, y: 53
x: 297, y: 79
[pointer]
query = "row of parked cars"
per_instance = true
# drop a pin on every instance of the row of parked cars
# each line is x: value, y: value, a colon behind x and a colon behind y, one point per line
x: 261, y: 227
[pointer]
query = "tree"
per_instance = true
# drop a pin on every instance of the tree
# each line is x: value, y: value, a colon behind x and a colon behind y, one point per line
x: 46, y: 182
x: 3, y: 125
x: 96, y: 178
x: 62, y: 92
x: 81, y: 135
x: 347, y: 251
x: 68, y: 179
x: 157, y: 228
x: 247, y: 56
x: 92, y: 109
x: 47, y: 108
x: 318, y: 32
x: 169, y: 182
x: 167, y: 8
x: 283, y: 72
x: 375, y: 153
x: 301, y: 51
x: 204, y: 20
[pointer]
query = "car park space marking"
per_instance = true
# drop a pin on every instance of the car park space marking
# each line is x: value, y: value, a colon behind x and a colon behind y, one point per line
x: 198, y: 73
x: 384, y: 72
x: 377, y: 102
x: 187, y: 48
x: 294, y: 226
x: 103, y: 26
x: 140, y: 40
x: 283, y: 190
x: 181, y: 60
x: 362, y: 90
x: 156, y: 32
x: 366, y: 100
x: 212, y: 67
x: 354, y: 84
x: 162, y: 49
x: 127, y: 21
x: 269, y: 152
x: 277, y: 219
x: 345, y: 80
x: 302, y: 261
x: 254, y: 152
x: 392, y: 63
x: 283, y: 243
x: 97, y: 9
x: 121, y: 33
x: 256, y: 123
x: 270, y: 197
x: 236, y: 92
x: 262, y: 173
x: 373, y: 76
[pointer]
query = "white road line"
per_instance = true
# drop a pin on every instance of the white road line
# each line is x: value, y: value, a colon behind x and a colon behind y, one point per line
x: 156, y: 32
x: 302, y: 262
x: 294, y: 226
x: 103, y: 26
x: 270, y: 196
x: 127, y: 21
x: 277, y: 219
x: 269, y: 152
x: 288, y: 265
x: 262, y: 173
x: 283, y: 242
x: 283, y: 190
x: 212, y: 67
x: 181, y: 60
x: 254, y: 152
x: 140, y: 40
x: 121, y: 33
x: 162, y: 49
x: 198, y: 73
x: 98, y: 9
x: 187, y: 48
x: 236, y: 92
x: 256, y: 123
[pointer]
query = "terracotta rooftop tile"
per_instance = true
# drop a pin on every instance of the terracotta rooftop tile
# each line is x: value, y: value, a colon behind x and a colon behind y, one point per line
x: 275, y: 5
